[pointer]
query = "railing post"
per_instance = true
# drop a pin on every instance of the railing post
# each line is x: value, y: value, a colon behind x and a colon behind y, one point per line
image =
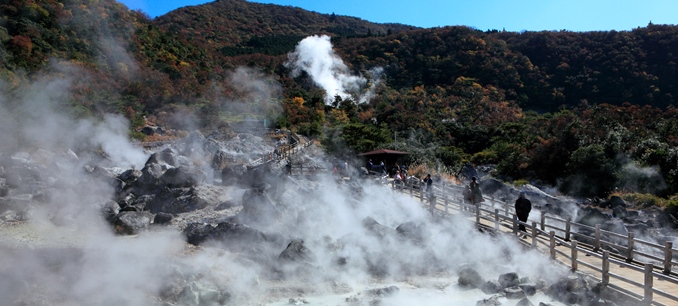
x: 534, y: 235
x: 492, y: 199
x: 668, y: 257
x: 573, y: 247
x: 606, y: 268
x: 412, y: 189
x: 542, y: 224
x: 496, y: 219
x: 596, y: 243
x: 567, y: 228
x: 515, y: 224
x: 648, y: 284
x: 629, y: 249
x: 432, y: 203
x: 506, y: 208
x: 421, y: 194
x: 445, y: 196
x: 477, y: 213
x: 552, y: 246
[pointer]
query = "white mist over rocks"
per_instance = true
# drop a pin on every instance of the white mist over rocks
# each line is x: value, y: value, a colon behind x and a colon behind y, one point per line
x: 357, y: 235
x: 38, y: 117
x: 315, y: 56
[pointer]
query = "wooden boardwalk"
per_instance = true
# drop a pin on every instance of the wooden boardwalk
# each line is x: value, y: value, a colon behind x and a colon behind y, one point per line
x: 646, y: 283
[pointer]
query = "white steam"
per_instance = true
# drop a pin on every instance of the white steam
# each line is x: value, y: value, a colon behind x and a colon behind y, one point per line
x: 315, y: 56
x: 255, y: 95
x: 41, y: 119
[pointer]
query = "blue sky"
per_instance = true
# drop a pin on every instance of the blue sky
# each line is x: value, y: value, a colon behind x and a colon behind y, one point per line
x: 530, y: 15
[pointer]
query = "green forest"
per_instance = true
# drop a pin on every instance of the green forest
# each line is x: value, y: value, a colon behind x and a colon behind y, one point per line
x: 592, y: 113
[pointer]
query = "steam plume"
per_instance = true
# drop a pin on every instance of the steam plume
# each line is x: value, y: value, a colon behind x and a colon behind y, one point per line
x: 314, y: 55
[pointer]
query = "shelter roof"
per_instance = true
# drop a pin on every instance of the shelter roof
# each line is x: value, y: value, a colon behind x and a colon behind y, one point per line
x: 383, y: 151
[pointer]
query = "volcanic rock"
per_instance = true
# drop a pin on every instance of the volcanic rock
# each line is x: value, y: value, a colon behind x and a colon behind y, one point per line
x: 514, y: 292
x: 296, y: 251
x: 470, y: 278
x: 132, y: 222
x: 510, y: 279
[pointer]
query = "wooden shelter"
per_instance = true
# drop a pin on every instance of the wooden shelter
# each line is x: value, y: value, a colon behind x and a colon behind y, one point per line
x: 389, y: 157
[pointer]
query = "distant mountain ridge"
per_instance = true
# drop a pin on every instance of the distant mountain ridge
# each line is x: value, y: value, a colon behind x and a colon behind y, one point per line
x: 234, y: 22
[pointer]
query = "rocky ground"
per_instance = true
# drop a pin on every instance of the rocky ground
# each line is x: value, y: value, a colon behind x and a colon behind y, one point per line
x: 201, y: 222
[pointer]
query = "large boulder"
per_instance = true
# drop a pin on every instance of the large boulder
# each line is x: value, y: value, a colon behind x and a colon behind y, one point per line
x: 231, y: 236
x: 514, y: 293
x: 491, y: 301
x: 181, y: 200
x: 373, y: 227
x: 470, y: 278
x: 130, y: 176
x: 165, y: 157
x: 4, y: 190
x: 150, y: 175
x: 413, y: 232
x: 221, y: 160
x: 570, y: 290
x: 258, y: 208
x: 182, y: 176
x: 591, y: 216
x: 203, y: 292
x: 616, y: 201
x: 510, y: 279
x: 232, y: 174
x: 491, y: 287
x: 132, y: 222
x: 296, y: 251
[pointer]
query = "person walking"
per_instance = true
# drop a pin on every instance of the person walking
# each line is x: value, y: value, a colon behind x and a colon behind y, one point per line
x: 428, y: 184
x: 476, y: 193
x: 523, y: 207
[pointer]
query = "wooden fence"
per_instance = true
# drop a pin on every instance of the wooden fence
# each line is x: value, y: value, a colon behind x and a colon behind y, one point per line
x: 651, y: 260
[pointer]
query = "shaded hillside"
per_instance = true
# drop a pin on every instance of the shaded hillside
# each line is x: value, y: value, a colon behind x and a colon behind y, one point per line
x: 638, y: 66
x: 235, y: 27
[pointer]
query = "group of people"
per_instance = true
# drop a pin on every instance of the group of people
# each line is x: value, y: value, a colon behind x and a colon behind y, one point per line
x: 522, y: 205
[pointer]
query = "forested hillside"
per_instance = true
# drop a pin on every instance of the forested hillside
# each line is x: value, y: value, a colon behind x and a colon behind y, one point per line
x: 592, y: 113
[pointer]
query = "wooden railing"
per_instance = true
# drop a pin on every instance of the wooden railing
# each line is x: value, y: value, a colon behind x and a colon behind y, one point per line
x: 283, y: 153
x: 553, y: 232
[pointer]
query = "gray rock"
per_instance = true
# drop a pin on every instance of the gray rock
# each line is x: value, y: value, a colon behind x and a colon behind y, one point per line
x: 150, y: 175
x: 376, y: 229
x: 529, y: 288
x: 525, y: 302
x: 413, y: 232
x: 491, y: 287
x: 619, y: 212
x: 202, y: 293
x: 132, y: 222
x: 510, y: 279
x: 470, y: 278
x: 616, y: 201
x: 383, y: 292
x: 110, y: 209
x: 182, y: 177
x: 491, y: 301
x: 296, y: 251
x: 162, y: 218
x: 514, y: 293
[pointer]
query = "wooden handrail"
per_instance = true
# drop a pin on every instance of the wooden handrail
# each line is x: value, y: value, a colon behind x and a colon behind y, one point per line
x: 450, y: 197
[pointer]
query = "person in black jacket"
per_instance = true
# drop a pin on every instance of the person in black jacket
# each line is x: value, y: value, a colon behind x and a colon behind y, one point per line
x: 428, y: 183
x: 523, y: 207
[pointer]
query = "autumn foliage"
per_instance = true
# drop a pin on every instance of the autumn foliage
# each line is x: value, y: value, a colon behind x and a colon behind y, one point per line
x: 553, y: 107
